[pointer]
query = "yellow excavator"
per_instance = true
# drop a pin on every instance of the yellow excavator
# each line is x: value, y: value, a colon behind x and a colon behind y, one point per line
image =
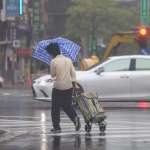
x: 116, y: 40
x: 89, y: 62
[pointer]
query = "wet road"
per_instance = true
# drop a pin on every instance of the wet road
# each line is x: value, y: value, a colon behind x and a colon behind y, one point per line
x: 28, y: 125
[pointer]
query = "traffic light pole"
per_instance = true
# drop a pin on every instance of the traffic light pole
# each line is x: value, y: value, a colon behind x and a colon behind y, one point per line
x: 143, y: 47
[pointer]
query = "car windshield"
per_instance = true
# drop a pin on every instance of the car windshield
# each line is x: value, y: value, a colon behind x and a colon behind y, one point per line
x: 92, y: 67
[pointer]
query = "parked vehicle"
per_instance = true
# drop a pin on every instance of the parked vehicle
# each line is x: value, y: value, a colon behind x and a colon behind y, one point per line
x: 118, y: 78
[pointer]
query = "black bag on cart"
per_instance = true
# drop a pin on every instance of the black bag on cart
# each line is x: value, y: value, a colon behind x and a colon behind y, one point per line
x: 91, y: 110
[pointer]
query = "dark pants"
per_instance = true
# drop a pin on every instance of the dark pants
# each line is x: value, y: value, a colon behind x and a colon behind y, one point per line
x: 62, y: 99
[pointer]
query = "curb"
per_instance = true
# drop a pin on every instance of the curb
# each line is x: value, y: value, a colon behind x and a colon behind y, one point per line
x: 14, y: 87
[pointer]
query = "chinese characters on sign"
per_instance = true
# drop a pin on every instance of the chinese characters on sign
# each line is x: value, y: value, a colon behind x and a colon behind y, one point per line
x: 144, y: 12
x: 12, y: 8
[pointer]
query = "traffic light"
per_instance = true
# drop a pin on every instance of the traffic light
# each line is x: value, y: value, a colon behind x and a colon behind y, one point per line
x: 143, y: 34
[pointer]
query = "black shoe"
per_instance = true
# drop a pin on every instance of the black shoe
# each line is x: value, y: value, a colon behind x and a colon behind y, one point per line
x: 77, y: 123
x: 56, y: 130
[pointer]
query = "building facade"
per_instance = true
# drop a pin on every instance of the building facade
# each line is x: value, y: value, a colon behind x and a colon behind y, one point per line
x: 57, y: 16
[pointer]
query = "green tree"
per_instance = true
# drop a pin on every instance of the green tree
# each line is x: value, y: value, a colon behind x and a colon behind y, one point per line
x: 92, y: 19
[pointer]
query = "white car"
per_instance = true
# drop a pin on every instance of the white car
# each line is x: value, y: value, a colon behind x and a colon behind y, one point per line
x: 118, y: 78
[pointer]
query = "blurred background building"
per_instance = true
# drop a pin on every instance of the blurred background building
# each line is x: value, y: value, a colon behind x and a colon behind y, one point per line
x: 15, y: 40
x: 56, y: 16
x: 20, y: 31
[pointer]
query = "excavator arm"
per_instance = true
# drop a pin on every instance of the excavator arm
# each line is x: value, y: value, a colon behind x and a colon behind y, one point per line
x: 116, y: 40
x: 119, y: 38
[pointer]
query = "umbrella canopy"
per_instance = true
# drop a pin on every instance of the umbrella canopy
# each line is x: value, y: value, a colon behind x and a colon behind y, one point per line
x: 67, y: 48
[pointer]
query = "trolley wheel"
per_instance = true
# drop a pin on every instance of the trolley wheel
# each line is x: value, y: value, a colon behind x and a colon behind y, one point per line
x: 88, y: 127
x: 102, y: 126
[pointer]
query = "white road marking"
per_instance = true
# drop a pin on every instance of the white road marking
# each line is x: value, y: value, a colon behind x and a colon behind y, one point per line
x: 20, y: 117
x: 122, y: 136
x: 115, y: 129
x: 143, y: 140
x: 16, y: 94
x: 6, y: 94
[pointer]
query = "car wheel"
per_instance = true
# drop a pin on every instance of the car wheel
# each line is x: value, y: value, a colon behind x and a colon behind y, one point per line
x: 33, y: 92
x: 1, y: 85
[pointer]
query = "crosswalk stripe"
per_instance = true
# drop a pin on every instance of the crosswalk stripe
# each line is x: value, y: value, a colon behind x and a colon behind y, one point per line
x: 115, y: 128
x: 123, y: 136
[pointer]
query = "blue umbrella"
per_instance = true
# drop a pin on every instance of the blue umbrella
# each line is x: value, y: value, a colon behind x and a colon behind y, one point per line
x: 67, y: 47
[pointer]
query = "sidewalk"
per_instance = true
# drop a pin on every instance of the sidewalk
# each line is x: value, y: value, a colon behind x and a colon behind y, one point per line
x: 8, y: 86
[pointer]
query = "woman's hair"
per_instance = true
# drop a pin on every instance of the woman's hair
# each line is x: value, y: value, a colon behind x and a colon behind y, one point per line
x: 53, y: 49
